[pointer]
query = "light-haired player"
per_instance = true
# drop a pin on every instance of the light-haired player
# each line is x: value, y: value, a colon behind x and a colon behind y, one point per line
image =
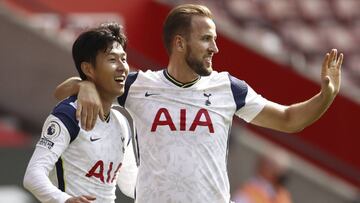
x: 70, y: 164
x: 183, y: 114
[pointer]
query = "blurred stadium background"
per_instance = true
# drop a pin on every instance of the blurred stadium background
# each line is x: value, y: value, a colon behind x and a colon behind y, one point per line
x: 275, y: 45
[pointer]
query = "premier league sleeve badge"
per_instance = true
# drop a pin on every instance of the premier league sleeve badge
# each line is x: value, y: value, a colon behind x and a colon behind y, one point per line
x: 53, y: 130
x: 49, y: 134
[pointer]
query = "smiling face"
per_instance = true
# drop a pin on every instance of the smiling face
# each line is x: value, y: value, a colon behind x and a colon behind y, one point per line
x: 110, y: 71
x: 201, y: 45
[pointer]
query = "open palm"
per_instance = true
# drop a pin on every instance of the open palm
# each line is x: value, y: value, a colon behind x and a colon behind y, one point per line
x: 331, y: 72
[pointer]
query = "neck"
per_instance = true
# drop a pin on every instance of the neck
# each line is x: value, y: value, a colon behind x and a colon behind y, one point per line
x: 179, y: 70
x: 106, y: 102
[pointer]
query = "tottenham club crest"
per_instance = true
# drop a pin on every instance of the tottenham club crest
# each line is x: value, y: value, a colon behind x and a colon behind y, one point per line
x: 207, y: 102
x: 53, y: 130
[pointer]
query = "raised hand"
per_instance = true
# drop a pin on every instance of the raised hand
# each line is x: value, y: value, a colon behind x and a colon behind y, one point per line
x: 331, y: 73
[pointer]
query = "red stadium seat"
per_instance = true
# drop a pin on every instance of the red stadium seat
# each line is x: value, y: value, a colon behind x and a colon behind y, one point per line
x: 280, y: 10
x: 315, y: 10
x: 346, y: 10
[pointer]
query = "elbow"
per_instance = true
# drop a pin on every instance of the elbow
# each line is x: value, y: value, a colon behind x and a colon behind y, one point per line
x: 57, y: 94
x: 27, y: 182
x: 294, y: 130
x: 291, y: 124
x: 129, y: 193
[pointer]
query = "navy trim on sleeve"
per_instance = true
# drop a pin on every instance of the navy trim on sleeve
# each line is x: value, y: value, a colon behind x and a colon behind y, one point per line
x: 129, y: 81
x: 67, y: 114
x: 239, y: 89
x: 60, y: 175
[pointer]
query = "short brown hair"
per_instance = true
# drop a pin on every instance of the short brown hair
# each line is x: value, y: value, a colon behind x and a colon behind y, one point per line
x: 178, y: 21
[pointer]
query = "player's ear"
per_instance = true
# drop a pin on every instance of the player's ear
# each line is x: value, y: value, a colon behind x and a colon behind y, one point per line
x: 179, y: 43
x: 88, y: 70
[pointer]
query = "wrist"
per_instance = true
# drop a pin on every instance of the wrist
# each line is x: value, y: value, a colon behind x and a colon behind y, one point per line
x: 327, y: 94
x: 84, y: 83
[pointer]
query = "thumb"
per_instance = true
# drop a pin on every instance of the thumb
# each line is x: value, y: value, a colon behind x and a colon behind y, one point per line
x: 326, y: 80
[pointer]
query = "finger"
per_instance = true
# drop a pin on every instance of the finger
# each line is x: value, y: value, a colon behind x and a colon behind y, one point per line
x: 340, y: 61
x: 83, y: 118
x: 333, y: 57
x: 94, y: 116
x: 101, y: 113
x: 90, y: 197
x: 335, y: 54
x: 325, y: 64
x: 84, y: 199
x: 89, y: 118
x: 78, y: 111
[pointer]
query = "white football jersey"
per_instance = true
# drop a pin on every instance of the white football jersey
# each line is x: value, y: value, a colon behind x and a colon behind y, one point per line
x: 183, y: 132
x: 89, y: 162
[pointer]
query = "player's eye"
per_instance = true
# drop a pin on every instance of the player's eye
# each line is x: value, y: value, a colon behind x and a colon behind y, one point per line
x: 206, y: 38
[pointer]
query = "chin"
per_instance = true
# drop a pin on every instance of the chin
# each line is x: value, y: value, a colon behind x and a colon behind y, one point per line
x: 208, y: 71
x: 205, y: 73
x: 120, y: 92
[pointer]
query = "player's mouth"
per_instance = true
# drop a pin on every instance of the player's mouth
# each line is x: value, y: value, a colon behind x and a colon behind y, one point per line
x: 119, y: 79
x: 208, y: 60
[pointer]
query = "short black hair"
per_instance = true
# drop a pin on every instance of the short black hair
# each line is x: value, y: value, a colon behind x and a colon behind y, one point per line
x: 89, y: 43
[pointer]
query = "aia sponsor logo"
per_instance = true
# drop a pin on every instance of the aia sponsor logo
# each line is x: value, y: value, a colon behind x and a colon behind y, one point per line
x: 163, y: 118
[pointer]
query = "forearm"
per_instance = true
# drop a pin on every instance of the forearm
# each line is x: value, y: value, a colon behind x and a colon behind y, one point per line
x: 36, y: 177
x: 303, y: 114
x: 296, y: 117
x: 67, y: 88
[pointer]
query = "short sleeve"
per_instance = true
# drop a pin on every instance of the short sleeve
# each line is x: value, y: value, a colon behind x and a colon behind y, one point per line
x: 248, y: 102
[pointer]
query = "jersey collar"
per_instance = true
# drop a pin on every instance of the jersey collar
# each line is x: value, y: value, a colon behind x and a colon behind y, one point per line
x: 177, y: 83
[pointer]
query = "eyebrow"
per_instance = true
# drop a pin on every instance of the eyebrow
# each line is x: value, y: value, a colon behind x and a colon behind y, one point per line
x: 209, y: 35
x: 117, y: 54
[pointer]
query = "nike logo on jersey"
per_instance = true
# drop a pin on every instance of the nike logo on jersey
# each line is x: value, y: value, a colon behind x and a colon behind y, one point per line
x: 149, y: 94
x: 94, y: 139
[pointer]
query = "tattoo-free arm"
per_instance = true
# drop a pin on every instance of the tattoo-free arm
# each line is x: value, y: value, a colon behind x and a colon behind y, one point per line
x: 88, y: 104
x: 297, y: 116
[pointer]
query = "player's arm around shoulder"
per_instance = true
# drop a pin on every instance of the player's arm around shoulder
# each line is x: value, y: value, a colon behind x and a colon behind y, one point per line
x: 89, y: 103
x: 295, y: 117
x: 67, y: 88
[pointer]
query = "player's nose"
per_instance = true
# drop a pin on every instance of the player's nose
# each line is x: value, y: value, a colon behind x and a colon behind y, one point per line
x: 213, y: 48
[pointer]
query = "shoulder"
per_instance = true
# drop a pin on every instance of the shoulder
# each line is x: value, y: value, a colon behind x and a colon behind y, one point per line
x: 123, y: 121
x: 132, y: 77
x: 119, y: 116
x: 141, y: 76
x: 65, y: 111
x: 67, y: 106
x: 224, y: 76
x: 217, y: 77
x: 237, y: 84
x: 151, y: 75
